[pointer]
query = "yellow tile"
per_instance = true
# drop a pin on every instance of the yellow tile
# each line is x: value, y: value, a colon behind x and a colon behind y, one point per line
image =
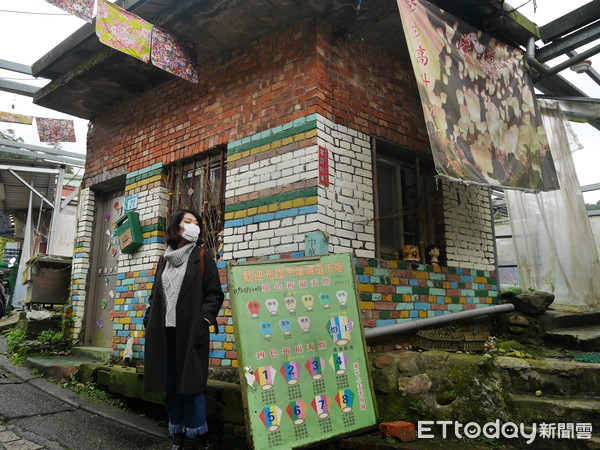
x: 367, y: 305
x: 366, y: 287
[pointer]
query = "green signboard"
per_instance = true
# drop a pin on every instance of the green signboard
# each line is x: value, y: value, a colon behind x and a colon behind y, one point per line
x: 301, y: 350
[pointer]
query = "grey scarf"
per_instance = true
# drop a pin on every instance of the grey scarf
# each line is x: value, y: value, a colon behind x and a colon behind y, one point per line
x: 172, y: 277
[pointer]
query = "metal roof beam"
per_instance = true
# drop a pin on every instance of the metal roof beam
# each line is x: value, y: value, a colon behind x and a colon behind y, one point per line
x: 28, y: 169
x: 569, y: 43
x: 51, y: 158
x: 572, y: 21
x: 31, y: 188
x: 15, y: 67
x: 18, y: 88
x: 39, y: 148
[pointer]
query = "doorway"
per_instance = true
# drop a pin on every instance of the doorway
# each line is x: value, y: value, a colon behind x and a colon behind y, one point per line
x: 101, y: 301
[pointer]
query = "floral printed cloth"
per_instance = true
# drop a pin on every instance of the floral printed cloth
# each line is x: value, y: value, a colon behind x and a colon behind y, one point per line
x: 478, y: 103
x: 55, y: 130
x: 84, y: 9
x: 175, y: 55
x: 15, y: 118
x: 123, y: 31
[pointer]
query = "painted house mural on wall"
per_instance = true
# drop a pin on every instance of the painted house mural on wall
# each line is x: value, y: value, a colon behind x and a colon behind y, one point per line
x: 300, y: 129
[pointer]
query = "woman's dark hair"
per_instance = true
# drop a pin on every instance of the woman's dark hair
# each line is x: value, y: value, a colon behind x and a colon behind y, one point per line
x: 172, y: 235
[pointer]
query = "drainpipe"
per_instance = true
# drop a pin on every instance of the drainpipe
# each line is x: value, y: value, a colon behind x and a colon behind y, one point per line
x: 544, y: 71
x: 389, y: 330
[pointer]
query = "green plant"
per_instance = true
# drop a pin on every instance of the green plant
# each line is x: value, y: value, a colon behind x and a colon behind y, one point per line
x: 90, y: 391
x: 50, y: 337
x: 14, y: 339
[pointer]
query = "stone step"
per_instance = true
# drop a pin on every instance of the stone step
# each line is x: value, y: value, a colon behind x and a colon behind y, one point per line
x: 551, y: 376
x: 529, y: 409
x: 580, y: 338
x: 99, y: 354
x: 560, y: 319
x: 56, y: 368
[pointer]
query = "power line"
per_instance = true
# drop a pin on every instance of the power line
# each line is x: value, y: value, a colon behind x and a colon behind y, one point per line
x: 35, y: 13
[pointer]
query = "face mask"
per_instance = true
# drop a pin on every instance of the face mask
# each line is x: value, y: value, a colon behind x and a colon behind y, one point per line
x: 191, y: 232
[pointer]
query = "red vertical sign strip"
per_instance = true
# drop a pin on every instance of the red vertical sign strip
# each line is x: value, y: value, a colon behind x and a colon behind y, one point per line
x: 323, y: 166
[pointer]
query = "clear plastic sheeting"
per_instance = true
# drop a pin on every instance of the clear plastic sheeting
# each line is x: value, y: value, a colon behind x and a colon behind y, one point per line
x: 555, y: 249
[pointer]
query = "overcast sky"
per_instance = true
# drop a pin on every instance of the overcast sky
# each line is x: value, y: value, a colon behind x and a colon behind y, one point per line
x: 40, y: 26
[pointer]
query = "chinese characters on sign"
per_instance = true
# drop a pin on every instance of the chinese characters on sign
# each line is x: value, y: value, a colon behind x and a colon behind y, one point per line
x: 301, y: 349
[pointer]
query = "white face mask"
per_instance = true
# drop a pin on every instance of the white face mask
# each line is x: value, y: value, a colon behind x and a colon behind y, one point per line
x: 191, y: 231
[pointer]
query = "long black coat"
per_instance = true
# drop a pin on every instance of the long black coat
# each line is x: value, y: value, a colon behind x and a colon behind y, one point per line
x: 200, y: 298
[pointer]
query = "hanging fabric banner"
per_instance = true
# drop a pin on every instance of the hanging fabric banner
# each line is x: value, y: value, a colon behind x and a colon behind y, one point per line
x: 55, y: 130
x: 84, y: 9
x: 175, y: 55
x: 15, y: 118
x: 123, y: 31
x: 478, y: 101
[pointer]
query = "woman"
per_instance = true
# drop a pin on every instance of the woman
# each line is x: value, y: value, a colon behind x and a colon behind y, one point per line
x: 185, y: 300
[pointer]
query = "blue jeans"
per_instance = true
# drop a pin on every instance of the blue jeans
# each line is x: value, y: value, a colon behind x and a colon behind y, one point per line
x: 187, y: 413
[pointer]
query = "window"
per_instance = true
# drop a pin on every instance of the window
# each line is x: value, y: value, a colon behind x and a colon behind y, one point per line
x: 405, y: 200
x: 199, y: 184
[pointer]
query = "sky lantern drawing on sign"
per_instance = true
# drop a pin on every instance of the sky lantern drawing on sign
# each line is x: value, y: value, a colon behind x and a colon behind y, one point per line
x: 290, y: 304
x: 321, y: 404
x: 339, y: 328
x: 271, y: 417
x: 291, y: 371
x: 339, y: 362
x: 297, y: 411
x: 304, y: 323
x: 345, y: 399
x: 308, y: 301
x: 325, y: 299
x: 272, y: 306
x: 315, y: 366
x: 264, y: 377
x: 286, y: 327
x: 342, y: 297
x: 266, y: 329
x: 253, y: 308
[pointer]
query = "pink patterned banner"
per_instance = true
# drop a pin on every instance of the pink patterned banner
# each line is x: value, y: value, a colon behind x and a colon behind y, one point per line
x: 55, y: 130
x: 15, y: 118
x: 123, y: 31
x: 175, y: 55
x: 84, y: 9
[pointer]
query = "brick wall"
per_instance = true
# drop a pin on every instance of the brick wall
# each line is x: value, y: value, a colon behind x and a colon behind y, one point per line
x: 82, y: 250
x: 394, y: 292
x: 469, y: 236
x: 273, y: 104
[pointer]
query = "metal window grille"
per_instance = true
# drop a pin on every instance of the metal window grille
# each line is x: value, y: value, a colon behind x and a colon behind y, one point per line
x: 199, y: 184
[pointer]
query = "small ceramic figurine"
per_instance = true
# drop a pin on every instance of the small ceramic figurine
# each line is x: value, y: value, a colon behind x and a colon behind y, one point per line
x: 220, y: 246
x: 433, y: 254
x: 490, y: 345
x: 410, y: 253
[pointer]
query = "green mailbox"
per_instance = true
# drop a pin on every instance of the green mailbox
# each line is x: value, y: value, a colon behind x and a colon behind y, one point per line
x: 129, y: 232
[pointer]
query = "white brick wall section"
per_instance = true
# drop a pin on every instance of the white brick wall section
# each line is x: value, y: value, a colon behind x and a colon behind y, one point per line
x: 469, y: 240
